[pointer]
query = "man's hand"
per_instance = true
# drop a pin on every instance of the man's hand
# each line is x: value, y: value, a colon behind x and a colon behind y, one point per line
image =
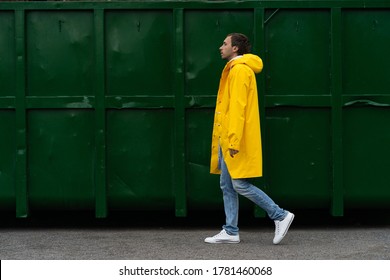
x: 233, y: 152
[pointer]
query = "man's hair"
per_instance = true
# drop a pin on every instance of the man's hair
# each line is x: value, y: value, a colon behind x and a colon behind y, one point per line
x: 241, y: 41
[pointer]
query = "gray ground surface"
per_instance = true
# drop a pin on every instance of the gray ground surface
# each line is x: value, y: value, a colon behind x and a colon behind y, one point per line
x: 176, y: 240
x: 301, y: 243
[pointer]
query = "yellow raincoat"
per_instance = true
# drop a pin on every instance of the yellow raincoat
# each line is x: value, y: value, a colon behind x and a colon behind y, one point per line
x: 237, y: 120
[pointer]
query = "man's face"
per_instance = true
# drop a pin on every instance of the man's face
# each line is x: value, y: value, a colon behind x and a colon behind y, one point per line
x: 227, y: 51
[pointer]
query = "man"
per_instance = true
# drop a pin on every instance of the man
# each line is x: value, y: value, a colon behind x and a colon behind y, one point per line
x: 236, y: 141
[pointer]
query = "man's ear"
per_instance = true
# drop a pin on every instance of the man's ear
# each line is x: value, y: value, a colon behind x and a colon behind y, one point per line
x: 235, y: 48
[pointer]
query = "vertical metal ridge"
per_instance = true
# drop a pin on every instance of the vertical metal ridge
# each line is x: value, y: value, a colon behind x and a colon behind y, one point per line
x: 100, y: 118
x: 259, y: 48
x: 179, y: 177
x: 337, y: 202
x: 22, y: 207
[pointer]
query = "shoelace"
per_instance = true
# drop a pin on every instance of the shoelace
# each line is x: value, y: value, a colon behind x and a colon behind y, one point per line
x: 219, y: 234
x: 277, y: 227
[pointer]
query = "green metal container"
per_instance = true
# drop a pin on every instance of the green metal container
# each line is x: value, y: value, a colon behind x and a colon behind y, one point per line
x: 108, y: 106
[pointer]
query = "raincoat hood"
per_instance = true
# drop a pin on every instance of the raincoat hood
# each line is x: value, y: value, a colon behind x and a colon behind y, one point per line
x: 253, y: 61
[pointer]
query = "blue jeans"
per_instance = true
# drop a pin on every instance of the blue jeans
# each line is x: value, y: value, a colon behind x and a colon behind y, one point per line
x: 230, y: 190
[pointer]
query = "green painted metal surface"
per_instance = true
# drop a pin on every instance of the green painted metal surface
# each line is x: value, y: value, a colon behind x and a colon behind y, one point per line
x: 60, y: 159
x: 366, y: 157
x: 128, y: 62
x: 298, y: 156
x: 140, y: 159
x: 302, y: 65
x: 7, y: 160
x: 108, y: 106
x: 60, y: 60
x: 7, y: 50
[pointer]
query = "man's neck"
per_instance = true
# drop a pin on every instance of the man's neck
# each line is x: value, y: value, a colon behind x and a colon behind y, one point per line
x: 234, y: 58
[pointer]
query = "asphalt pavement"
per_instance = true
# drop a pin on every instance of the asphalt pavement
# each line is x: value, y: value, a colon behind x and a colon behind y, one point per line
x: 155, y: 237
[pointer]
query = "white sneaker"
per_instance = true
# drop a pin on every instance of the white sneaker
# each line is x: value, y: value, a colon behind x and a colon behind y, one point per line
x: 223, y: 237
x: 281, y: 227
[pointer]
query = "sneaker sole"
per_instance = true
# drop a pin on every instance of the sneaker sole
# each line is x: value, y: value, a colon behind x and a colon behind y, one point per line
x: 223, y: 242
x: 287, y: 228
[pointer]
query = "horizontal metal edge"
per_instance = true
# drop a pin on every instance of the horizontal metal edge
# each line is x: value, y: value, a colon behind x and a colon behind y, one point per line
x: 366, y: 100
x: 195, y: 101
x: 123, y: 102
x: 208, y: 101
x: 7, y: 102
x: 91, y: 5
x: 62, y: 102
x: 298, y: 101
